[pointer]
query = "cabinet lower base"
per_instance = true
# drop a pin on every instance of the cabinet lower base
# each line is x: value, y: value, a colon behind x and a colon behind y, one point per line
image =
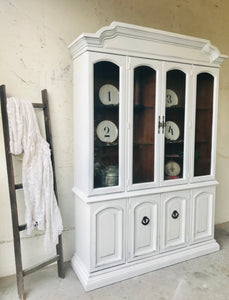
x: 91, y: 281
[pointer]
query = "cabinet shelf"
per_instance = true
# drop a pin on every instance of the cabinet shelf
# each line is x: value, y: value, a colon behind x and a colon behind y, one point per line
x: 173, y: 155
x: 203, y: 108
x: 142, y: 107
x: 143, y: 144
x: 106, y: 107
x: 106, y: 145
x: 175, y: 108
x: 202, y: 142
x: 174, y: 142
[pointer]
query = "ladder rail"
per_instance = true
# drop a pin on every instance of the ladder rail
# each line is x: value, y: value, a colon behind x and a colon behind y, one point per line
x: 12, y: 193
x: 59, y: 248
x: 20, y: 273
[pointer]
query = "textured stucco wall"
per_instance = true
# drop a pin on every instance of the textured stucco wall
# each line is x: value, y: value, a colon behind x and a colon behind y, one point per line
x: 34, y: 35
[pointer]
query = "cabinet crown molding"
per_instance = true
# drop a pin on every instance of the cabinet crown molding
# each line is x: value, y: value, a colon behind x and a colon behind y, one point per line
x: 127, y: 39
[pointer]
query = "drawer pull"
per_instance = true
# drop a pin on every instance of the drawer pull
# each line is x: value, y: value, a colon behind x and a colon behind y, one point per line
x: 145, y: 220
x: 175, y: 214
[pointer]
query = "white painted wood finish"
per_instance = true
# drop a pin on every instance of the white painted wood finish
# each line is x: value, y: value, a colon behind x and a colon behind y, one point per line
x: 112, y: 243
x: 174, y: 221
x: 108, y: 233
x: 127, y: 39
x: 143, y: 226
x: 203, y: 214
x: 93, y: 280
x: 81, y: 90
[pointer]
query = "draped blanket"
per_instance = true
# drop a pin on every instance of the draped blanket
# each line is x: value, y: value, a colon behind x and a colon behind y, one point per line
x: 42, y: 211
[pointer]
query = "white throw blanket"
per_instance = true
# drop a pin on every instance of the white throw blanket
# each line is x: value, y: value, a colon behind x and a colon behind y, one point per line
x: 42, y: 211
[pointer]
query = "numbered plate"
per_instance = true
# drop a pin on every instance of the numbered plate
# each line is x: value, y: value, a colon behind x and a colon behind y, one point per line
x: 171, y: 98
x: 109, y: 95
x: 107, y: 131
x: 172, y: 131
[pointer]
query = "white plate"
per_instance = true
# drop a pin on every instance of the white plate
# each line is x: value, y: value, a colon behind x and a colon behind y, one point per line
x: 107, y: 131
x: 172, y: 131
x: 109, y: 95
x: 171, y: 98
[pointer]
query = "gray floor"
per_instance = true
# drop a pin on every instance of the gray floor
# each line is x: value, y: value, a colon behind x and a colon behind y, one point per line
x: 202, y: 278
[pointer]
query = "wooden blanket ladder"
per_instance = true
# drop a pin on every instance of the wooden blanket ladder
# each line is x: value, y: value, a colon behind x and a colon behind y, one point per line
x: 20, y: 272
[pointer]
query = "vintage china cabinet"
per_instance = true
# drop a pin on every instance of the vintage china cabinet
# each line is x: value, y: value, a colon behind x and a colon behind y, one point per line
x: 145, y: 117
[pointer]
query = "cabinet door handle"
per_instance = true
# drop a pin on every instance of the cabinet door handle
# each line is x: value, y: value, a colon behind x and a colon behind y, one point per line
x: 163, y: 124
x: 159, y: 124
x: 175, y: 214
x: 145, y: 220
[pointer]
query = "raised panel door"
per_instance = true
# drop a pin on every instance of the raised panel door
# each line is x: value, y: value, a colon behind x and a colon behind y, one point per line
x: 174, y: 222
x: 143, y: 226
x: 202, y: 214
x: 108, y: 234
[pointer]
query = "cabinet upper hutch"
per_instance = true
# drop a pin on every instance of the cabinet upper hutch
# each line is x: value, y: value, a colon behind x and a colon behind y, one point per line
x: 145, y: 118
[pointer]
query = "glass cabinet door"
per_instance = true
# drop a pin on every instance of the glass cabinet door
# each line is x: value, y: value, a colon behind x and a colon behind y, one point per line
x: 144, y: 124
x: 144, y: 142
x: 106, y: 124
x: 203, y: 125
x: 173, y: 124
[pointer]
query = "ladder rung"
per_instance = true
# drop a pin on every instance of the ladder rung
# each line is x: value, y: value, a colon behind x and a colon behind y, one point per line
x: 39, y: 266
x: 22, y: 227
x: 18, y: 186
x: 38, y: 105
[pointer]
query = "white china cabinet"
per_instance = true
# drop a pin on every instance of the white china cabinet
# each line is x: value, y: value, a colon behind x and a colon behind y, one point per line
x: 145, y: 116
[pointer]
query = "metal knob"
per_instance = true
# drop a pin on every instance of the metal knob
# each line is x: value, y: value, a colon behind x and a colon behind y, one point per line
x: 145, y: 220
x: 175, y: 214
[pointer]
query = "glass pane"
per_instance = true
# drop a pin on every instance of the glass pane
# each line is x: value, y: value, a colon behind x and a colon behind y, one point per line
x: 203, y: 130
x: 106, y: 124
x: 174, y: 124
x: 144, y: 120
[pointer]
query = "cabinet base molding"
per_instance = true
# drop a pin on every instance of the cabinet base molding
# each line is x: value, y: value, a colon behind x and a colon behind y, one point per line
x: 97, y: 279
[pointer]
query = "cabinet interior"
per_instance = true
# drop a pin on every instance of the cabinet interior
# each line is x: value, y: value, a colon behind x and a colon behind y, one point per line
x: 144, y: 124
x: 203, y: 129
x: 105, y: 153
x: 174, y: 149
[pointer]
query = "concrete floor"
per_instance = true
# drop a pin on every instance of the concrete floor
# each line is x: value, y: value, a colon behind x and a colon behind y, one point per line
x: 202, y: 278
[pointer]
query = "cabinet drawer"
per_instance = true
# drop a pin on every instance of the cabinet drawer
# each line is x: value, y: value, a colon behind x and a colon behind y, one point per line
x: 203, y: 202
x: 174, y: 220
x: 143, y: 226
x: 108, y: 233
